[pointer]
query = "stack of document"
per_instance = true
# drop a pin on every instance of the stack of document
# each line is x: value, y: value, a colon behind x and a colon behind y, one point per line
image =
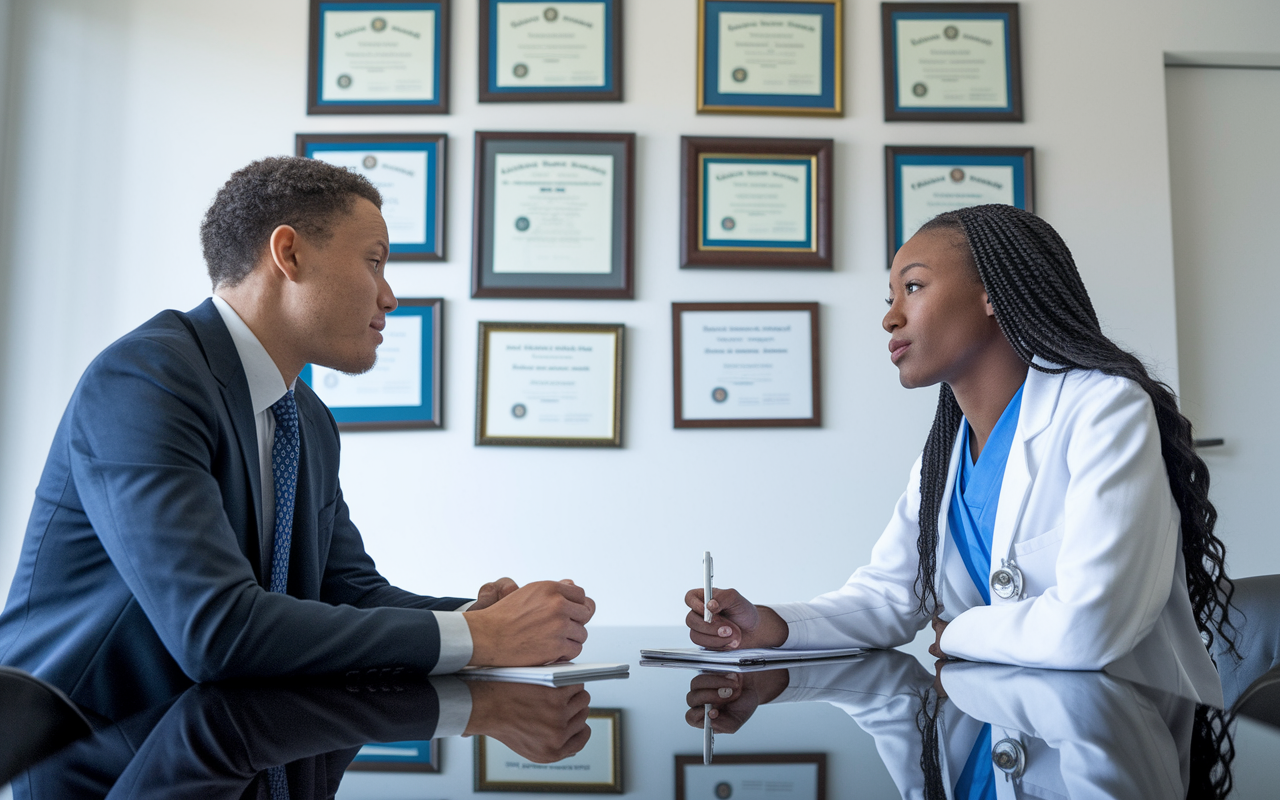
x: 565, y: 674
x: 746, y: 660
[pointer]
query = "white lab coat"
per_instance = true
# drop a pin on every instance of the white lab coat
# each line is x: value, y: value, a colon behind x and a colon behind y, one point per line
x: 1086, y: 514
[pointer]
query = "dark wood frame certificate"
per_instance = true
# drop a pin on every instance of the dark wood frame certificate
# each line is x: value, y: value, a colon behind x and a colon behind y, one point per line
x: 554, y: 215
x: 746, y: 365
x: 763, y: 203
x: 725, y: 770
x: 922, y: 182
x: 383, y: 757
x: 405, y: 389
x: 800, y: 71
x: 408, y: 169
x: 567, y: 51
x: 951, y: 62
x: 408, y: 73
x: 547, y: 384
x: 603, y: 747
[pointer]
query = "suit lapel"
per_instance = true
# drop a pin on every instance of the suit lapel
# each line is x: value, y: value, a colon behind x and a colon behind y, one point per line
x: 1039, y: 399
x: 224, y: 362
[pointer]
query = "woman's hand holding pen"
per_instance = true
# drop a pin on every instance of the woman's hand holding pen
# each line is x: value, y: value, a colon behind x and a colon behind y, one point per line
x: 735, y: 622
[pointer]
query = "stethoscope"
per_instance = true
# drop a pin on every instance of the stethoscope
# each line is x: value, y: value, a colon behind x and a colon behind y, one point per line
x: 1008, y: 755
x: 1006, y: 582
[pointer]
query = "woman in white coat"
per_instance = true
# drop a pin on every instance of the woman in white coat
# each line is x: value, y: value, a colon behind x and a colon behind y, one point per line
x: 1058, y: 516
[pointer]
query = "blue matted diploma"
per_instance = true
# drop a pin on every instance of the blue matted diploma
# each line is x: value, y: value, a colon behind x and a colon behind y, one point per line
x: 1004, y: 108
x: 406, y: 73
x: 580, y: 62
x: 416, y: 756
x: 720, y: 233
x: 403, y: 389
x: 800, y: 81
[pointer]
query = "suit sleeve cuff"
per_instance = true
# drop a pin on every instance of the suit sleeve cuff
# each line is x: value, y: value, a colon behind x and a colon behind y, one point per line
x: 455, y: 642
x: 455, y: 706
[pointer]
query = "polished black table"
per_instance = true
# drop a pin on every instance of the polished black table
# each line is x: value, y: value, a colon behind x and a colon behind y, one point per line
x: 876, y: 720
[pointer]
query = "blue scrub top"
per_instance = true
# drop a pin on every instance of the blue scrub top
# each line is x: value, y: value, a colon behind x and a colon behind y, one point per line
x: 972, y: 515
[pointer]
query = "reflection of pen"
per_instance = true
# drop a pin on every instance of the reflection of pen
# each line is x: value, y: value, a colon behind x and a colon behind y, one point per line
x: 707, y: 573
x: 708, y: 736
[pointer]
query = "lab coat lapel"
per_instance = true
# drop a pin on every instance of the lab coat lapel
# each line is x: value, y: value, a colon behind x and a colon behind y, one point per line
x: 1039, y: 399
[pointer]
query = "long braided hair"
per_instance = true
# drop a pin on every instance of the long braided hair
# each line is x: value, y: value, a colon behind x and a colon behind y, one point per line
x: 1043, y: 310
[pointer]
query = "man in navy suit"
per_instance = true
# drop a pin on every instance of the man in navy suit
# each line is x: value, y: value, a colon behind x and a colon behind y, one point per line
x: 149, y: 556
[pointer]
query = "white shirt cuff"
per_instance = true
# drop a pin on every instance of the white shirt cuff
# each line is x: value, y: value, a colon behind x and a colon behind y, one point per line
x: 455, y: 642
x: 455, y: 706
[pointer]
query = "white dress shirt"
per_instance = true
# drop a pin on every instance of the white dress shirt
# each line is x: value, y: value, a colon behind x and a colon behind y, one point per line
x: 266, y: 386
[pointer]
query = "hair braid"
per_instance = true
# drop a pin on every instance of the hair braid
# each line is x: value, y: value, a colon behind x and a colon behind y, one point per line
x: 1044, y: 311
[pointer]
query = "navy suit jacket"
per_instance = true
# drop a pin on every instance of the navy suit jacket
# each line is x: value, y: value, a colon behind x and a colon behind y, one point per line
x: 144, y: 565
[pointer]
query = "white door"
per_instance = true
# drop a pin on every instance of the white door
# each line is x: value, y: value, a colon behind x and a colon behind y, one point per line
x: 1224, y: 152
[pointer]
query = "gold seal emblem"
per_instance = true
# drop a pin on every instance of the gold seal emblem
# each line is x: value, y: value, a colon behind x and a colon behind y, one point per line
x: 550, y: 14
x: 957, y: 175
x: 378, y: 25
x: 951, y: 31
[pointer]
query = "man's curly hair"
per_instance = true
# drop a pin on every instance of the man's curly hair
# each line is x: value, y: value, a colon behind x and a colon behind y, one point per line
x: 304, y: 193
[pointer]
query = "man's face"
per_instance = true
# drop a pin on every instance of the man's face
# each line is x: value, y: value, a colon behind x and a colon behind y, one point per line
x: 343, y: 295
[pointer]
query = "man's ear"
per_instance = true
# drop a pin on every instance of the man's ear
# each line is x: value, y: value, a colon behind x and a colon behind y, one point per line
x: 283, y: 250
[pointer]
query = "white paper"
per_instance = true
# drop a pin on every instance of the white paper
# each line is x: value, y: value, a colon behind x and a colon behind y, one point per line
x: 401, y: 177
x: 770, y: 53
x: 757, y: 203
x: 379, y: 55
x: 955, y: 63
x: 394, y: 381
x: 746, y: 365
x: 592, y: 764
x: 546, y: 384
x: 928, y: 191
x: 552, y: 45
x: 752, y: 781
x: 553, y: 213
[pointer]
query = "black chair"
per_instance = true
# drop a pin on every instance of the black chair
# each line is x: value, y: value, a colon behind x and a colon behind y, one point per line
x: 37, y: 720
x: 1256, y: 614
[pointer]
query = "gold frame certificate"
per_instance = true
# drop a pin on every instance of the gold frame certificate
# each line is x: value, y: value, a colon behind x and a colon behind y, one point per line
x: 549, y: 384
x: 746, y: 365
x: 952, y: 62
x: 379, y: 57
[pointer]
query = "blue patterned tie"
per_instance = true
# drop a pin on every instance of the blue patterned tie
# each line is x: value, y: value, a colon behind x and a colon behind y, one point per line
x: 284, y: 476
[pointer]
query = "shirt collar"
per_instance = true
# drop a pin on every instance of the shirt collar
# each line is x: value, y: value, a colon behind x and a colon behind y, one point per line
x: 265, y: 384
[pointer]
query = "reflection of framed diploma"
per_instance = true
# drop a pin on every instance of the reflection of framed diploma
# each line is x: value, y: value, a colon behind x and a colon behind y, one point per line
x: 788, y: 776
x: 923, y: 182
x: 556, y: 50
x: 553, y: 215
x: 746, y: 365
x: 379, y: 57
x: 398, y: 757
x: 595, y: 769
x: 403, y: 390
x: 755, y: 203
x: 549, y: 384
x: 952, y: 62
x: 770, y: 57
x: 408, y: 169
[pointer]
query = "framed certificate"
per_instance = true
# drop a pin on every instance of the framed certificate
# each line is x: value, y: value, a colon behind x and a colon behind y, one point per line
x: 550, y: 50
x: 379, y: 57
x: 549, y: 384
x: 421, y: 756
x: 788, y: 776
x: 923, y: 182
x: 554, y: 215
x: 746, y: 365
x: 595, y: 769
x: 952, y: 62
x: 755, y: 203
x: 403, y: 391
x: 770, y: 57
x: 408, y: 169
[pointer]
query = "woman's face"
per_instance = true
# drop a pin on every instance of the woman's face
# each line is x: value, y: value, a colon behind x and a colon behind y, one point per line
x: 940, y: 322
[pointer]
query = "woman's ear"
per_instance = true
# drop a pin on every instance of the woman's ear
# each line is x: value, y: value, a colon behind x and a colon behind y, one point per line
x: 986, y: 300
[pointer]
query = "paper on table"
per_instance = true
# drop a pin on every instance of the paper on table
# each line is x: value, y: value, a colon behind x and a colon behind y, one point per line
x: 550, y: 674
x: 763, y: 655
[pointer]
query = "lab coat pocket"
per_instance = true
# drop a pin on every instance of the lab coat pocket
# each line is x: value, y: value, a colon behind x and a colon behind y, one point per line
x: 1037, y: 557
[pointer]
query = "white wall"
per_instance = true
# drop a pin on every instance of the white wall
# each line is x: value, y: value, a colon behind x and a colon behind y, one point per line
x: 129, y: 114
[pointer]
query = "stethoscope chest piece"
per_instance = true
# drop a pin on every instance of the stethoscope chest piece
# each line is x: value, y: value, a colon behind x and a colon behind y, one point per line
x: 1006, y: 582
x: 1010, y: 758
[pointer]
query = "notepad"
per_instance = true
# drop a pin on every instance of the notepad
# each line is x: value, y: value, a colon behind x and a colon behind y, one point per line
x: 747, y: 657
x: 565, y: 674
